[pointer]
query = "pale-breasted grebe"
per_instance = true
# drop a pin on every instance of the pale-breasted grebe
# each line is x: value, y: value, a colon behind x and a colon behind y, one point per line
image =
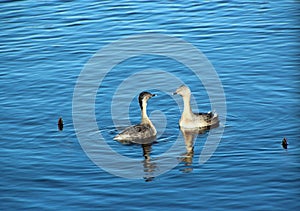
x: 194, y: 120
x: 144, y: 130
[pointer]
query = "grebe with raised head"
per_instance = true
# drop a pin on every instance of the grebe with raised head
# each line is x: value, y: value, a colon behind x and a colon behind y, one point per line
x: 194, y: 120
x: 144, y: 130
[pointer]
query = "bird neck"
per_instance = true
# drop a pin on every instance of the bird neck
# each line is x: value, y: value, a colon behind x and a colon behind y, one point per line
x: 145, y: 118
x: 187, y: 110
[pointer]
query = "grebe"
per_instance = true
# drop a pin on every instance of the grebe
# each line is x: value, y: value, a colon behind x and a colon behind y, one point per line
x: 144, y: 130
x: 194, y: 120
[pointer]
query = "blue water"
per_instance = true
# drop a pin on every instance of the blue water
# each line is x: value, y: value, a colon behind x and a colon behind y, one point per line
x: 254, y: 48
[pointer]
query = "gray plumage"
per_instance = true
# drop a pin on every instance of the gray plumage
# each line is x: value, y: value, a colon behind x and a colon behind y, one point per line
x: 144, y: 130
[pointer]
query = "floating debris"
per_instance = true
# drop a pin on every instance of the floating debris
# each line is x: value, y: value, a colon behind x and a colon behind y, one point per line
x: 284, y: 143
x: 60, y: 124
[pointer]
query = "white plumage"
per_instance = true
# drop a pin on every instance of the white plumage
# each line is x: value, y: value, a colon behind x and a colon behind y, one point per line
x: 192, y: 120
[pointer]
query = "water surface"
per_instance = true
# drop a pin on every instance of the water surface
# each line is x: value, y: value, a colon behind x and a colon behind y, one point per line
x: 254, y: 49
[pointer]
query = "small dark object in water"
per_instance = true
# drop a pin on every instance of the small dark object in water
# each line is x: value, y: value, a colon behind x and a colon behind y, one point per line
x: 60, y: 124
x: 284, y: 143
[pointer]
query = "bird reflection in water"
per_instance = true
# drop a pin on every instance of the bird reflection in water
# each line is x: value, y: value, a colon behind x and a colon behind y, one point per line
x: 189, y: 136
x: 148, y: 164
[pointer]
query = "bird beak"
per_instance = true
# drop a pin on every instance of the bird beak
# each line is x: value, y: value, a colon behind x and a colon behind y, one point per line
x: 153, y: 95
